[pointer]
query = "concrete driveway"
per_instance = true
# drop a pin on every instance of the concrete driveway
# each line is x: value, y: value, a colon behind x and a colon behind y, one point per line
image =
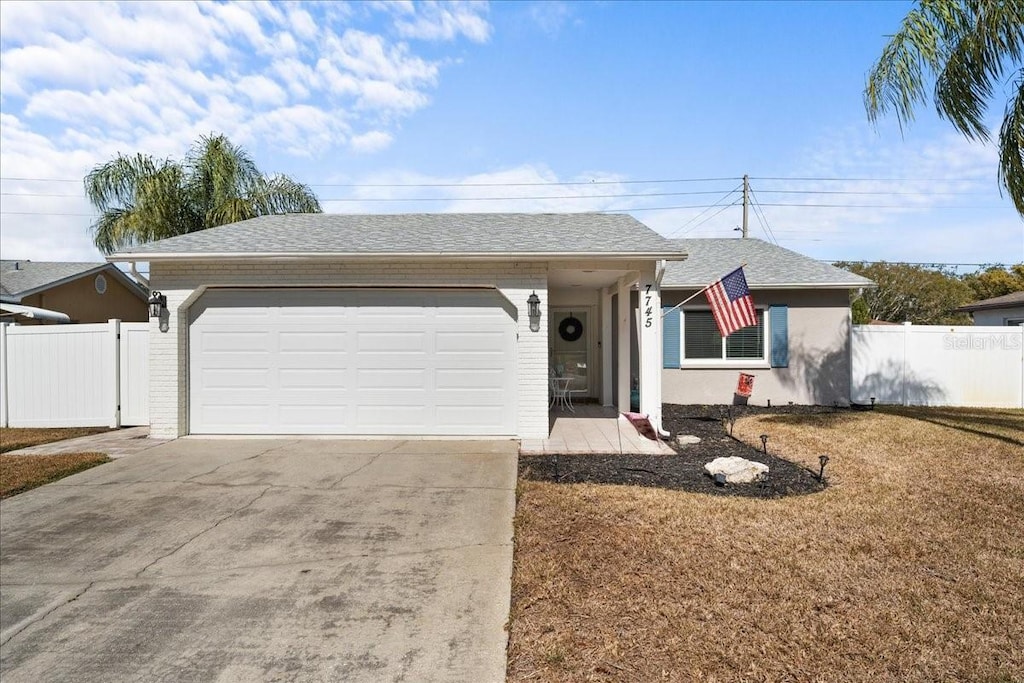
x: 259, y: 559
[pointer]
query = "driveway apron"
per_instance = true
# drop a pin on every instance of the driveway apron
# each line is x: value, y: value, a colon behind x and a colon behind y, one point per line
x: 264, y: 559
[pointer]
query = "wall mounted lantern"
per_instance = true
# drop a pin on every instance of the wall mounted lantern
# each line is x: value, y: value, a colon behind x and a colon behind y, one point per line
x: 533, y: 302
x: 157, y: 303
x: 158, y: 309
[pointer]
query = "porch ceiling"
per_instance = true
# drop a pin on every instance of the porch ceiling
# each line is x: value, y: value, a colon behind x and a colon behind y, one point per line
x: 578, y: 277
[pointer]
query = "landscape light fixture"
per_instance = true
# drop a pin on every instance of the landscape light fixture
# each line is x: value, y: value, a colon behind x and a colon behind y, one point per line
x: 533, y: 304
x: 822, y: 460
x: 872, y: 403
x: 764, y: 443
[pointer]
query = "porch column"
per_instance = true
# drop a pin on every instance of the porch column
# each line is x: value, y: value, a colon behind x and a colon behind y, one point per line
x: 624, y: 312
x: 650, y: 346
x: 606, y: 346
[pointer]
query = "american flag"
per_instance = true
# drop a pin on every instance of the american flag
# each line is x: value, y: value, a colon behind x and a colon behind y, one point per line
x: 731, y: 303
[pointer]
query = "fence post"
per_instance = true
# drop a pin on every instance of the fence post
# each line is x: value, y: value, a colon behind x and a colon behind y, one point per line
x: 115, y: 398
x: 903, y: 372
x: 3, y: 374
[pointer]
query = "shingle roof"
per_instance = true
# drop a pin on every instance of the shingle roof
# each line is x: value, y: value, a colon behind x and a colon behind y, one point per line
x: 1005, y: 301
x: 767, y: 266
x: 21, y: 278
x: 417, y: 234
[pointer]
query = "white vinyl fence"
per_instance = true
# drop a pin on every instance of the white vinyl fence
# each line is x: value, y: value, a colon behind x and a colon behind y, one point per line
x: 74, y: 375
x: 935, y: 365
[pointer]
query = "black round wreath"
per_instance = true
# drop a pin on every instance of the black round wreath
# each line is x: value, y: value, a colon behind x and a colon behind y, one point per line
x: 570, y: 329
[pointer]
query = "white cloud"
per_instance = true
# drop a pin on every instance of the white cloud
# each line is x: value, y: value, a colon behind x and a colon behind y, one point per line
x: 550, y: 15
x: 82, y: 81
x: 444, y: 21
x: 373, y: 141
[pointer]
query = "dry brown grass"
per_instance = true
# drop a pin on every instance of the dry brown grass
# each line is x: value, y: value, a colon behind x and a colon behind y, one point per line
x: 910, y: 567
x: 11, y: 439
x: 19, y: 473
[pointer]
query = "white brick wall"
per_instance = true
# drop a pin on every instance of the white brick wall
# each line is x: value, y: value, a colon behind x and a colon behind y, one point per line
x: 184, y: 283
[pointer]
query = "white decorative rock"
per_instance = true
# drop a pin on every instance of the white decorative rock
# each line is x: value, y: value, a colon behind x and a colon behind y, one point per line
x: 737, y: 470
x: 687, y: 439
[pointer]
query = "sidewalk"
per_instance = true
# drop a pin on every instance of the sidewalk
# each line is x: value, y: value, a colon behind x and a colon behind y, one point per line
x: 117, y: 443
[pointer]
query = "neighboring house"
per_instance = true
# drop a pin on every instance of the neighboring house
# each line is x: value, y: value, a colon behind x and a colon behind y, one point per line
x: 416, y: 324
x: 85, y: 292
x: 800, y: 350
x: 1000, y: 311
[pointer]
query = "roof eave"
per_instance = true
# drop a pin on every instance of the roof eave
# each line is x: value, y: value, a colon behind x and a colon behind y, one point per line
x: 384, y: 256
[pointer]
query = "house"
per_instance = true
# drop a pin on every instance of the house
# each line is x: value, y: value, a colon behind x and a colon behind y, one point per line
x: 800, y: 350
x: 84, y: 292
x: 999, y: 311
x: 415, y: 324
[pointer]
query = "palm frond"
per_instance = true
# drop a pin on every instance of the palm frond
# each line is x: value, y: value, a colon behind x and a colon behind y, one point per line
x: 1011, y: 147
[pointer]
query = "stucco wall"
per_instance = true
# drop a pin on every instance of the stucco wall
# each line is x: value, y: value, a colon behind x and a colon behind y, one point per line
x: 999, y: 316
x: 183, y: 284
x: 80, y: 300
x: 819, y: 356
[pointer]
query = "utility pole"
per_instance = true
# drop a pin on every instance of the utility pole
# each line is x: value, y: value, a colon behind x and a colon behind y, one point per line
x: 746, y: 202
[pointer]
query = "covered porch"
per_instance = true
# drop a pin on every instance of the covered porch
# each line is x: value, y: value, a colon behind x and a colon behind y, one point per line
x: 592, y: 428
x: 604, y: 350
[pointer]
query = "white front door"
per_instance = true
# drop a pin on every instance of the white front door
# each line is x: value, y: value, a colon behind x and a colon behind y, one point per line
x: 348, y: 361
x: 570, y: 333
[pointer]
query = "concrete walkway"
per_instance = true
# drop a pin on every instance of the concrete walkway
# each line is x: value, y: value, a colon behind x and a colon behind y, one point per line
x: 264, y: 559
x: 592, y: 429
x: 116, y: 443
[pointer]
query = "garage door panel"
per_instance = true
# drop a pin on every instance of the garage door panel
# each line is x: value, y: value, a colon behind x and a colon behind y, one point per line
x: 466, y: 379
x: 235, y: 378
x: 468, y: 417
x: 305, y: 341
x: 234, y: 342
x: 352, y: 362
x: 308, y: 378
x: 318, y: 419
x: 384, y: 379
x: 393, y: 419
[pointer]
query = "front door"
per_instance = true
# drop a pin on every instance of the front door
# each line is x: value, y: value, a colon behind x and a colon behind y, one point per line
x: 570, y: 347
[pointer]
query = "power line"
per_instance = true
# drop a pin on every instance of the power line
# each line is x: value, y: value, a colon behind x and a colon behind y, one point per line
x: 722, y: 199
x: 495, y: 184
x: 446, y: 199
x: 697, y: 225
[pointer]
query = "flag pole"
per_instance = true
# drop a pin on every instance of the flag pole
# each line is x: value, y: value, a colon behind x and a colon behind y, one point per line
x: 699, y: 292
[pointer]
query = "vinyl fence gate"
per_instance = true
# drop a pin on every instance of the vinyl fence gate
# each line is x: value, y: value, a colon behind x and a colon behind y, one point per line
x: 94, y: 375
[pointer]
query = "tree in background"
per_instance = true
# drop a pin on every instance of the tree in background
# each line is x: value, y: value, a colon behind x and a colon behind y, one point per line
x: 996, y: 281
x: 141, y: 199
x: 967, y: 47
x: 923, y: 296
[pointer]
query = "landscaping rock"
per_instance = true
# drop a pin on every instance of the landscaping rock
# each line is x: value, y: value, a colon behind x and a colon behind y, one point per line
x: 737, y: 470
x: 687, y: 439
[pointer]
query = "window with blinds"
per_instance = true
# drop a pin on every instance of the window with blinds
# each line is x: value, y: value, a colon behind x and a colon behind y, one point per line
x: 701, y: 340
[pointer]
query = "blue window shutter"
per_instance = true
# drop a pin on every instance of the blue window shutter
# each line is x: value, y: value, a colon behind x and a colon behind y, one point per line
x: 779, y: 321
x: 670, y: 338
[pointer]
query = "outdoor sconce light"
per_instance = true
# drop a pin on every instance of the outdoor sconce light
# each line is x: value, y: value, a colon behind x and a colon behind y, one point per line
x: 157, y: 303
x: 764, y: 443
x: 158, y: 309
x: 533, y: 302
x: 822, y: 460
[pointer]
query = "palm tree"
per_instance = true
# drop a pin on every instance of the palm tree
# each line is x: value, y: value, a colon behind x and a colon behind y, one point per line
x: 968, y: 47
x: 141, y: 199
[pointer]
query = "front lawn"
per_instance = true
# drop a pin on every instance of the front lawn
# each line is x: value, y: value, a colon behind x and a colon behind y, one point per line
x: 19, y: 473
x: 11, y: 438
x: 908, y: 566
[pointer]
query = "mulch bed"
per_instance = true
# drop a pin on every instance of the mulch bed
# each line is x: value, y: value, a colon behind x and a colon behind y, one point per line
x: 685, y: 470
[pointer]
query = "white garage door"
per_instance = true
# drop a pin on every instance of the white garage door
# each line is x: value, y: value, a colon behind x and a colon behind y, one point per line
x: 300, y: 361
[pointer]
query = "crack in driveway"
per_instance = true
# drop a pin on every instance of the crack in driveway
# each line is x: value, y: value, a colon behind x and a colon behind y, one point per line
x: 35, y: 619
x: 206, y: 530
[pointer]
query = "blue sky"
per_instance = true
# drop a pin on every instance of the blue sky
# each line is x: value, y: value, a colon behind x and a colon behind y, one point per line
x: 502, y: 101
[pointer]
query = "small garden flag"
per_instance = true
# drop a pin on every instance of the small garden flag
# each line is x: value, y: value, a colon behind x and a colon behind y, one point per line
x: 731, y: 303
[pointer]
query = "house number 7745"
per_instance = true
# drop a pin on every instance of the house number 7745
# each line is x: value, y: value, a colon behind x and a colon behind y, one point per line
x: 648, y: 311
